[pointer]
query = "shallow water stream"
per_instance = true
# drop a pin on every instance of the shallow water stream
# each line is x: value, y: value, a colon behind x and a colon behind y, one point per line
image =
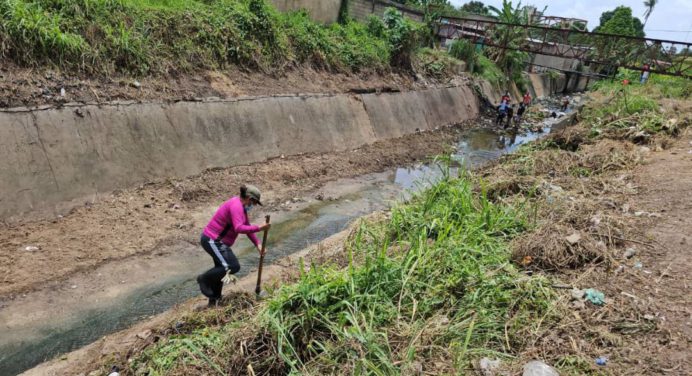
x: 43, y: 324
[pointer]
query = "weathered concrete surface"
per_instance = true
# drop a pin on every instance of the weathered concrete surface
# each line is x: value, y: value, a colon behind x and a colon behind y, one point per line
x: 544, y: 85
x: 52, y: 159
x: 325, y: 11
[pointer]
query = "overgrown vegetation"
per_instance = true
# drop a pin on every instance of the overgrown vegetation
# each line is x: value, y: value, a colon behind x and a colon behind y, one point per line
x: 632, y: 109
x: 174, y: 36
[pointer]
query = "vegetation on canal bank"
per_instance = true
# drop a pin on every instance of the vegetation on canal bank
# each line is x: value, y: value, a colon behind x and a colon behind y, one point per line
x: 465, y: 269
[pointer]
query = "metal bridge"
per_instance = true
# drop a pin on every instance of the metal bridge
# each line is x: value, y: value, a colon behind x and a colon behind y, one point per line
x: 601, y: 52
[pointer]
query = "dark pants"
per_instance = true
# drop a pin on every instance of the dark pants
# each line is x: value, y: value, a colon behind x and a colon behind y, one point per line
x: 224, y: 259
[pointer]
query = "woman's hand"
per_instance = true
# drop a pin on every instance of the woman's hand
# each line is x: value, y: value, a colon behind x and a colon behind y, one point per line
x: 265, y: 226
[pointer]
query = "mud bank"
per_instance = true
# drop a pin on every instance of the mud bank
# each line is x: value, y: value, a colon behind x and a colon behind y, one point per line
x: 55, y: 159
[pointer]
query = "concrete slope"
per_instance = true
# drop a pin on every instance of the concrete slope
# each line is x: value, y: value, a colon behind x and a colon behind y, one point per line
x: 53, y: 159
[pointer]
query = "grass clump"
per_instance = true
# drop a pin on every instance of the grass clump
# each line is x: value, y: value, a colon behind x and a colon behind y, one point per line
x: 173, y: 36
x: 432, y: 286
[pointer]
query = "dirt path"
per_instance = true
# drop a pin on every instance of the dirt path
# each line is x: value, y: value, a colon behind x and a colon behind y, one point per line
x: 663, y: 287
x: 136, y: 221
x: 31, y: 87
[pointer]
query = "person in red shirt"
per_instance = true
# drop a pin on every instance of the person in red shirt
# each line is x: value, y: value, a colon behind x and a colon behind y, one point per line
x: 645, y: 74
x: 219, y: 235
x: 527, y: 99
x: 505, y: 98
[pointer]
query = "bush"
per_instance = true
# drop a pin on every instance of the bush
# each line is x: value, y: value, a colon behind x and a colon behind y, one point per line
x: 464, y: 50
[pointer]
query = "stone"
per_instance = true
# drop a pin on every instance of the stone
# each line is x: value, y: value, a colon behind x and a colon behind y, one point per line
x: 573, y: 239
x: 630, y: 252
x: 538, y: 368
x: 136, y: 84
x: 489, y: 367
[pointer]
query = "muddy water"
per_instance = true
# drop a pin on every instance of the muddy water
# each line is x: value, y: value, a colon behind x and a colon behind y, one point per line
x: 90, y: 306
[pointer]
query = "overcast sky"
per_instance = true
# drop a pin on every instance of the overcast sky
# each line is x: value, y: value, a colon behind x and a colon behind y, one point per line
x: 667, y: 15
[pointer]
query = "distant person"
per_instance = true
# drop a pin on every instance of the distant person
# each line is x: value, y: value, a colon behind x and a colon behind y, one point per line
x: 520, y: 112
x: 527, y: 99
x: 645, y: 74
x: 221, y: 232
x: 505, y: 98
x: 501, y: 112
x: 565, y: 104
x: 510, y: 116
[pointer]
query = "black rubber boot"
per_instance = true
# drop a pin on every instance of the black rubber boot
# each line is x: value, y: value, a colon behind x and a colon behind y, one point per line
x: 206, y: 290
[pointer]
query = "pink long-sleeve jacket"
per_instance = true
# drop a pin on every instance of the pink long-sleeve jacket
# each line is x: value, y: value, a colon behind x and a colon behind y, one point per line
x: 230, y: 220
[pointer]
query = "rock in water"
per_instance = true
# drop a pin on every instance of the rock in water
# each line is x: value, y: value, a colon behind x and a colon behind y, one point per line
x: 538, y: 368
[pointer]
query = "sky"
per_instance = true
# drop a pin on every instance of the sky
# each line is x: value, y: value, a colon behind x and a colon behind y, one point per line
x: 668, y: 15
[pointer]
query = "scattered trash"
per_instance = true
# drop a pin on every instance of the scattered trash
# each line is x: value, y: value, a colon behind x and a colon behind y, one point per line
x: 640, y: 213
x: 62, y: 91
x: 136, y: 84
x: 638, y: 265
x: 577, y: 294
x: 527, y: 260
x: 31, y: 248
x: 115, y: 371
x: 538, y: 368
x: 573, y: 239
x: 578, y: 304
x: 620, y: 269
x: 649, y: 317
x: 489, y: 366
x: 601, y: 360
x: 594, y: 296
x: 630, y: 252
x: 595, y: 220
x: 73, y: 286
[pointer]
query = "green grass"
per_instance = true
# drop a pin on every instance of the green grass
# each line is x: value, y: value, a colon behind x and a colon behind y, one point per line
x: 432, y: 284
x: 176, y: 36
x: 488, y: 70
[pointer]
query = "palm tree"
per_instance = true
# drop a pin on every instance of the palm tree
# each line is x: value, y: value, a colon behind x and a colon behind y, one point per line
x: 649, y: 4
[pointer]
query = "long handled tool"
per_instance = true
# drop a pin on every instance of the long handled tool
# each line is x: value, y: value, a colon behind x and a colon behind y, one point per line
x: 258, y: 288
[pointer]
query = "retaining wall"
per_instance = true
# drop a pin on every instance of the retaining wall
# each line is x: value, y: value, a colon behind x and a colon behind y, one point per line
x: 52, y: 159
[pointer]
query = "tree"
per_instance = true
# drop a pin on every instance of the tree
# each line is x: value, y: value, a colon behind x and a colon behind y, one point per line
x: 508, y: 38
x: 606, y: 16
x: 619, y: 50
x: 475, y: 7
x: 649, y: 4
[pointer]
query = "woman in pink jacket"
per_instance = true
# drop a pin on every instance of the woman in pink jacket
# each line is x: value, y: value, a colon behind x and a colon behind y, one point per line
x: 221, y: 232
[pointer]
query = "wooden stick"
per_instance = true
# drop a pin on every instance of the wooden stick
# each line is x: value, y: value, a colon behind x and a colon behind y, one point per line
x: 258, y: 288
